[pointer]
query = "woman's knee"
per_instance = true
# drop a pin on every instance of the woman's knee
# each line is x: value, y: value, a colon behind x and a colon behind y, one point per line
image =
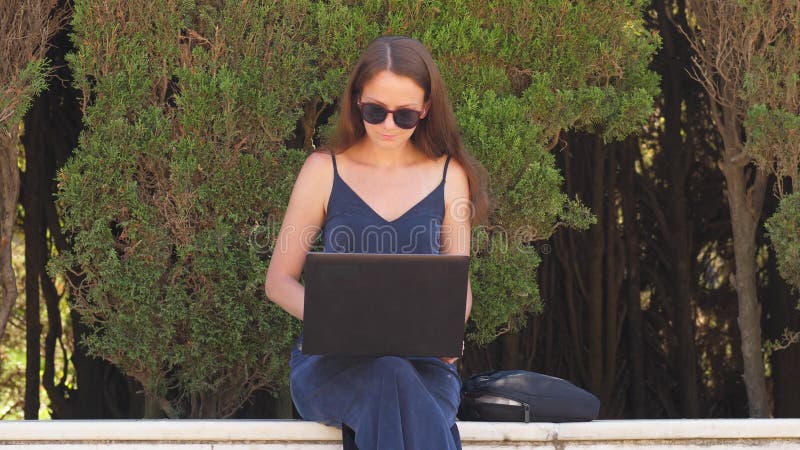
x: 394, y: 366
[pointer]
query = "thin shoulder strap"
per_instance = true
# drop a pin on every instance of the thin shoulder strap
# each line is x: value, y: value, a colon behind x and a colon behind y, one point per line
x: 335, y: 170
x: 444, y: 173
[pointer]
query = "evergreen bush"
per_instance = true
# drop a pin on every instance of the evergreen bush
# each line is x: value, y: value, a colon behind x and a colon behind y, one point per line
x: 187, y: 108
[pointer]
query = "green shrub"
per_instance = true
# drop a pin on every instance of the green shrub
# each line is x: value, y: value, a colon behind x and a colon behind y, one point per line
x: 784, y: 233
x: 182, y: 157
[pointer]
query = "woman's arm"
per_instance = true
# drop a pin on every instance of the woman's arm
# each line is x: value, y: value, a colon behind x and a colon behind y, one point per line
x: 456, y: 228
x: 302, y: 223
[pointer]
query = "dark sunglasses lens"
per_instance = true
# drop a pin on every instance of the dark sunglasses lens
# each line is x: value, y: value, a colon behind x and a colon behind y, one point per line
x: 376, y: 114
x: 373, y: 114
x: 406, y: 118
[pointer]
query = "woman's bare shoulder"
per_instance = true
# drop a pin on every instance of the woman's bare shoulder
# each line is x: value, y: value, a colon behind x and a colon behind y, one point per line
x: 456, y: 174
x: 457, y: 182
x: 317, y: 168
x: 318, y: 159
x: 315, y: 179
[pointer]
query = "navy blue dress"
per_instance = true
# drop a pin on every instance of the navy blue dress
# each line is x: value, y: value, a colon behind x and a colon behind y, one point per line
x: 391, y: 402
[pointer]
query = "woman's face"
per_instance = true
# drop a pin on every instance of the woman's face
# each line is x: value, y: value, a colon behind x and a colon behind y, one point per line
x: 392, y: 92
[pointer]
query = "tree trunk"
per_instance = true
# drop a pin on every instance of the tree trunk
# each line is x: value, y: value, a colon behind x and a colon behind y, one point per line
x: 9, y: 195
x: 745, y: 205
x: 566, y: 253
x: 55, y: 392
x: 595, y: 288
x: 684, y: 310
x: 679, y: 156
x: 613, y: 266
x: 37, y: 197
x: 633, y: 293
x: 35, y: 255
x: 89, y: 397
x: 33, y: 331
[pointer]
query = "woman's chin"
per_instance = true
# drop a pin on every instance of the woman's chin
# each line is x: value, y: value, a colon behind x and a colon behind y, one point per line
x: 388, y: 141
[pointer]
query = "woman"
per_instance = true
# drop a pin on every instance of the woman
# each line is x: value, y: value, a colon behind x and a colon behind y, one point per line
x: 396, y: 163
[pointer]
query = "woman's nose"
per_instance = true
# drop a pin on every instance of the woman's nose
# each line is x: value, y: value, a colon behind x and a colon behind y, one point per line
x: 388, y: 122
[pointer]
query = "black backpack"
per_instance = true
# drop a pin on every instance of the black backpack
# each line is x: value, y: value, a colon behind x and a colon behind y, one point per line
x: 522, y: 396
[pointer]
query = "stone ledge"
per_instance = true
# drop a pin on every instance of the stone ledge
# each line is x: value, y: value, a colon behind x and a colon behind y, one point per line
x: 295, y: 434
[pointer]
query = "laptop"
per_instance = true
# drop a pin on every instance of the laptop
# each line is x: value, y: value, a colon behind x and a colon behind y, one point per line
x: 366, y: 304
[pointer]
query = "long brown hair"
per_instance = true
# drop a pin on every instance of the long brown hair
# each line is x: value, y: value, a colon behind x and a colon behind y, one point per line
x: 436, y: 134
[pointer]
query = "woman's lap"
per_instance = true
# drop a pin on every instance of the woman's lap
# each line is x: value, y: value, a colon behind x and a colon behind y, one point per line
x: 333, y: 389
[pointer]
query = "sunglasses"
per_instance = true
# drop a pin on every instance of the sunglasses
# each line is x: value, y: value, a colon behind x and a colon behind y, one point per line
x: 376, y: 114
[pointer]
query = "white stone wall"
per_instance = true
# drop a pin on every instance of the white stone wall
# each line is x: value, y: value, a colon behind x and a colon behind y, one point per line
x: 296, y: 435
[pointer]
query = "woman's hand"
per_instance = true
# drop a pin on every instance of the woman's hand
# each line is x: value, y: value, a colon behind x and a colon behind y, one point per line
x: 453, y: 359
